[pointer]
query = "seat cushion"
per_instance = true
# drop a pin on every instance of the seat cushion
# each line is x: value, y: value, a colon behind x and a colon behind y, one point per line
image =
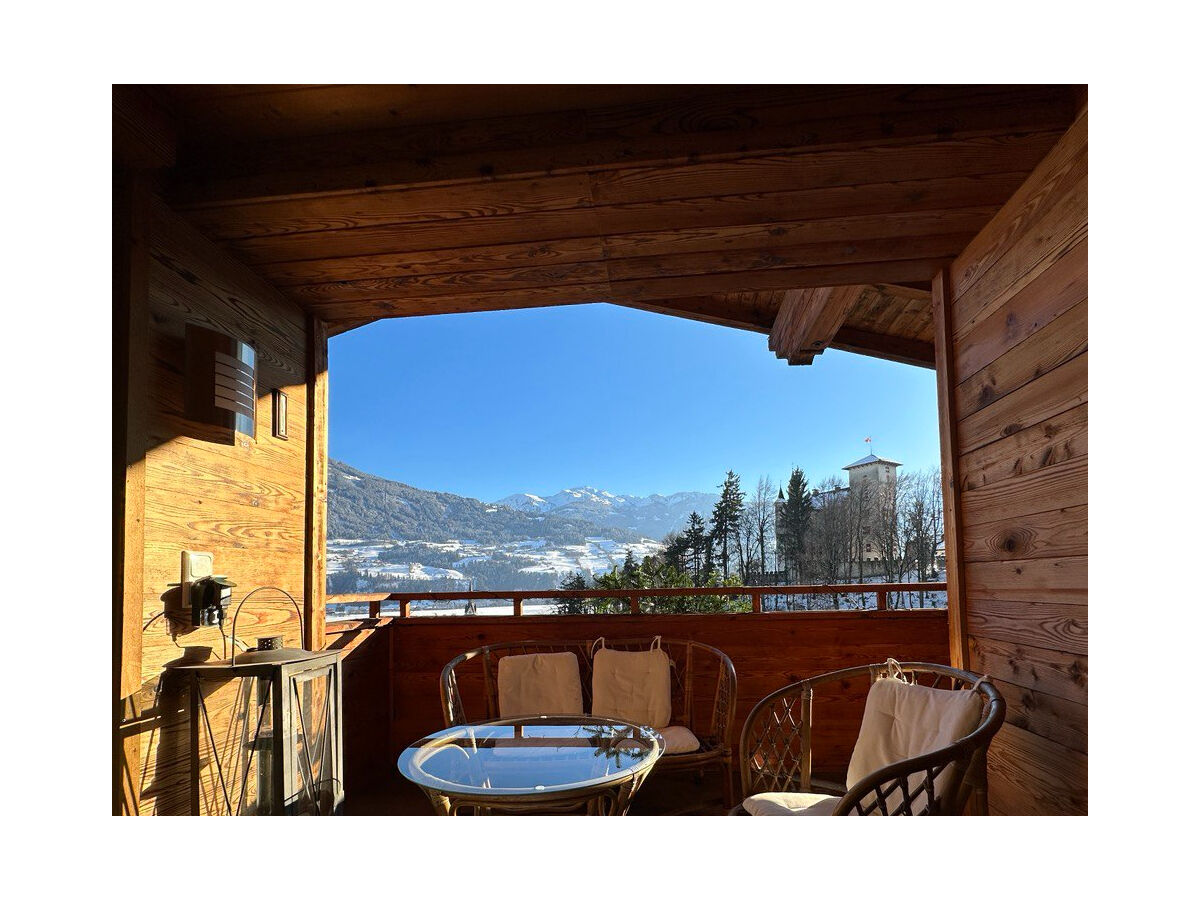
x: 633, y: 686
x: 539, y: 684
x: 787, y: 804
x: 679, y: 739
x: 903, y: 720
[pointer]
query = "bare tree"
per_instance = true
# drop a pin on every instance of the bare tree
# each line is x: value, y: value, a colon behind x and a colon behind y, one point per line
x: 886, y: 527
x: 923, y: 528
x: 760, y: 520
x: 828, y: 551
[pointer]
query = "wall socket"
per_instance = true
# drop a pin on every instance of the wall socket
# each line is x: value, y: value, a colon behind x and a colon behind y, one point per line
x: 193, y: 566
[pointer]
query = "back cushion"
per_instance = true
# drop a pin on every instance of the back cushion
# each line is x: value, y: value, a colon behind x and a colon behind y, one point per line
x: 904, y: 720
x: 539, y: 684
x: 633, y: 686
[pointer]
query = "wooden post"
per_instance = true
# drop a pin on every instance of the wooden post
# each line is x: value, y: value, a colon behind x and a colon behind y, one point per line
x: 635, y: 607
x: 374, y: 609
x: 943, y: 341
x: 516, y: 606
x: 756, y: 602
x: 881, y: 601
x: 316, y: 483
x: 131, y: 391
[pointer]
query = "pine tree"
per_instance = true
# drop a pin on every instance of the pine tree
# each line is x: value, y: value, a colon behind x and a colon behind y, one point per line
x: 696, y: 544
x: 726, y: 518
x: 631, y: 570
x: 797, y: 513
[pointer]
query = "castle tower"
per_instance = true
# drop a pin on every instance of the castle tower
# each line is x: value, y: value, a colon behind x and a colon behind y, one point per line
x: 871, y: 474
x: 872, y: 470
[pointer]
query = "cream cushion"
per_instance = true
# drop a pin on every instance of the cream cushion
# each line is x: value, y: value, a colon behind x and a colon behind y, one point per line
x: 539, y: 684
x: 633, y: 686
x: 903, y: 720
x: 785, y: 804
x: 678, y: 739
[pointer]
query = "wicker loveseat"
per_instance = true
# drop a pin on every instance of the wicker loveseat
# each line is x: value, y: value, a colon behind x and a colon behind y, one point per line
x: 777, y: 761
x: 703, y: 694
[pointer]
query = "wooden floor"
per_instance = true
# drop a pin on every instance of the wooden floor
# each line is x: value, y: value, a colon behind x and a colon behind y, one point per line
x: 667, y: 794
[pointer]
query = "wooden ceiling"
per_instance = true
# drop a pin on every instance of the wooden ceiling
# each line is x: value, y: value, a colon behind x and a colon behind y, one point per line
x: 724, y: 204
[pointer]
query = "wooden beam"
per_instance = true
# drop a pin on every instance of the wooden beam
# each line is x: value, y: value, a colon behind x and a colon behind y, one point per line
x: 755, y: 315
x: 712, y: 124
x: 644, y: 292
x: 143, y: 131
x: 764, y: 237
x: 743, y: 270
x: 808, y: 320
x: 784, y: 173
x: 317, y: 481
x: 346, y: 236
x: 131, y: 328
x: 884, y: 346
x: 956, y: 593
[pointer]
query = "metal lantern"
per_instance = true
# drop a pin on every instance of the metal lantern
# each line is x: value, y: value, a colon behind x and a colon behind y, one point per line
x: 266, y: 732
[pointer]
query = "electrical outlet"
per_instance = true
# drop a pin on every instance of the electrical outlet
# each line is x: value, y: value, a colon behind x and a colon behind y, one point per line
x: 192, y: 567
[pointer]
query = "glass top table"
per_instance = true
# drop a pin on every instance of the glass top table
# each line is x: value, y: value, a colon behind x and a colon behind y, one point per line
x: 535, y: 764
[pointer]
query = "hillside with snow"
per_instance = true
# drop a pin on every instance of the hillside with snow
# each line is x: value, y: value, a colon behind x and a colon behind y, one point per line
x: 366, y: 507
x: 389, y: 536
x: 653, y: 516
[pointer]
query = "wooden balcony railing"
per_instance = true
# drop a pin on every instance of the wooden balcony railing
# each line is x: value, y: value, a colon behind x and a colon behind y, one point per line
x: 634, y: 600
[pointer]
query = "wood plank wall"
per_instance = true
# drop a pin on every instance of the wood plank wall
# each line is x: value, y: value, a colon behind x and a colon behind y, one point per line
x: 1014, y: 307
x: 245, y: 500
x: 768, y: 651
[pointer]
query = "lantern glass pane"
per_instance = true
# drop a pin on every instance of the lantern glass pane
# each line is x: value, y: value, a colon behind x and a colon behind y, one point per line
x: 312, y: 788
x: 257, y: 763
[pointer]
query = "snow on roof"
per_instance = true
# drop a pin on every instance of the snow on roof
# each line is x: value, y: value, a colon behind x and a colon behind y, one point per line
x: 869, y: 459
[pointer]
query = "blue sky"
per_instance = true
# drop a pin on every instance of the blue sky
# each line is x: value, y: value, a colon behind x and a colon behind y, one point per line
x: 490, y: 404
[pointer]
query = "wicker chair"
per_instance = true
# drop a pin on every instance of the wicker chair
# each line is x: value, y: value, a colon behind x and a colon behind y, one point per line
x: 703, y: 694
x: 776, y: 749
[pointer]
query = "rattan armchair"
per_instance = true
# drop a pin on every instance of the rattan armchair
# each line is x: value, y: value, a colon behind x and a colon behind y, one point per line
x: 776, y: 749
x: 703, y: 694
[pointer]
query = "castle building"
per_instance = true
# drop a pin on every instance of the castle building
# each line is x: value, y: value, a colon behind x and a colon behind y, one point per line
x: 869, y: 474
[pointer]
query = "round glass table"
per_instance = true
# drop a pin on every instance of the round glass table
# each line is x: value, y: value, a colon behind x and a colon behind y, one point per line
x: 536, y: 764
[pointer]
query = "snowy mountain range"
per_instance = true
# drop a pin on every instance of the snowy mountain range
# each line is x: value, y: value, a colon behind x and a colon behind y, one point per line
x: 653, y: 516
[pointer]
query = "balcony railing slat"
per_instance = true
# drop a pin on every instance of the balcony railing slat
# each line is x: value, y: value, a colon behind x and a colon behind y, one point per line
x: 634, y: 597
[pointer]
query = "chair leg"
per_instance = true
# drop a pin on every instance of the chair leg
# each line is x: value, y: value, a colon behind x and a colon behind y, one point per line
x: 727, y: 786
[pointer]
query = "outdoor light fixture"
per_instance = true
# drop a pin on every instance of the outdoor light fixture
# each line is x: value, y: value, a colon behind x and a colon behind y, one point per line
x: 279, y: 406
x: 266, y: 730
x: 219, y: 380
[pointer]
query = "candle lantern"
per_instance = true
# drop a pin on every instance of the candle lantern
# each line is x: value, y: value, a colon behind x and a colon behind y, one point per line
x: 266, y: 732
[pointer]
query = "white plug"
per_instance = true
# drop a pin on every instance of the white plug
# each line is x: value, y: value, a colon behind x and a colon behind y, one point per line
x: 193, y: 566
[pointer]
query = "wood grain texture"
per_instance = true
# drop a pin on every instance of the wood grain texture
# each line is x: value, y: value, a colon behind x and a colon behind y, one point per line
x: 244, y: 499
x: 1045, y: 626
x: 809, y: 319
x: 317, y: 484
x: 1031, y: 775
x: 1061, y: 721
x: 131, y: 320
x: 1064, y: 339
x: 943, y: 337
x: 1018, y: 386
x: 1053, y: 533
x: 1057, y: 580
x: 695, y: 124
x: 1041, y: 398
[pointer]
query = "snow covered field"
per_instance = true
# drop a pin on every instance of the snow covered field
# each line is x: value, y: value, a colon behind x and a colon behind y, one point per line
x: 594, y: 556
